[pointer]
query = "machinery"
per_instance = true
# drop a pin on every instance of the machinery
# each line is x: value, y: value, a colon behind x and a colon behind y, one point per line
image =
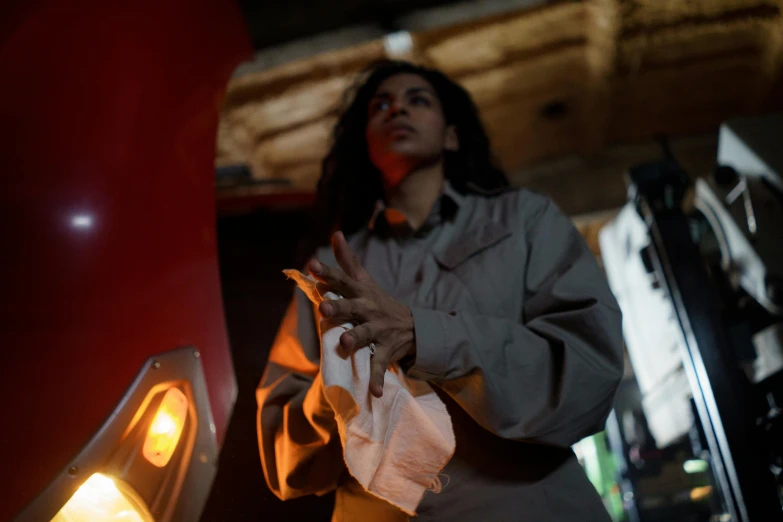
x: 117, y: 379
x: 698, y: 271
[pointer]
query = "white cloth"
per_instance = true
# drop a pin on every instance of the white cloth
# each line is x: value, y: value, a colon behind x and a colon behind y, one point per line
x: 396, y: 445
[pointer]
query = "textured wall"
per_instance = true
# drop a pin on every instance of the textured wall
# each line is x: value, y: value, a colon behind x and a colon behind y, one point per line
x: 621, y: 71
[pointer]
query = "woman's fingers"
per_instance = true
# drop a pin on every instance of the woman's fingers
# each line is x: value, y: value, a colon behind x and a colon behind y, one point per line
x: 378, y: 365
x: 347, y: 259
x: 337, y: 280
x: 360, y: 337
x: 351, y: 281
x: 345, y: 310
x: 375, y: 314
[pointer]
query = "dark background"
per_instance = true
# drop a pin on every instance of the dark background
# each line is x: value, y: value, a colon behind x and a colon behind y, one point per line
x: 274, y: 23
x: 253, y: 250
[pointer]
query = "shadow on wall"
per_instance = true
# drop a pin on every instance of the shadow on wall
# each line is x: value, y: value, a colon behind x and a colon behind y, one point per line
x: 253, y: 250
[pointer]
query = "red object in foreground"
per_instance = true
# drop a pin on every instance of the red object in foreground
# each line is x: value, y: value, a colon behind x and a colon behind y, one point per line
x: 108, y: 114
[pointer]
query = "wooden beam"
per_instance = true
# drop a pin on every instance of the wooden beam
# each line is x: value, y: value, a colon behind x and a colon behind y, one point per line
x: 563, y: 89
x: 482, y: 46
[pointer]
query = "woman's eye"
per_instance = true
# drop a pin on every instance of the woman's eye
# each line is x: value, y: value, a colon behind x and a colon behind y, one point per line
x: 381, y: 105
x: 420, y: 100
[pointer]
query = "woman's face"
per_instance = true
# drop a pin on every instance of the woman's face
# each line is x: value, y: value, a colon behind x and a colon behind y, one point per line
x: 406, y: 127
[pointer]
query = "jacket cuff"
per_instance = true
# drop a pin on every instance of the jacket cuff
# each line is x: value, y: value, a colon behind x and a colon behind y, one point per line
x: 430, y: 344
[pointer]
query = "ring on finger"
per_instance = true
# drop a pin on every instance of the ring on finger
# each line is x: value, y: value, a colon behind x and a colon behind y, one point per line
x: 372, y: 349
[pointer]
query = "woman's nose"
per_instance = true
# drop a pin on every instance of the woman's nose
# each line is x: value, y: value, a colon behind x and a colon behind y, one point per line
x: 397, y: 107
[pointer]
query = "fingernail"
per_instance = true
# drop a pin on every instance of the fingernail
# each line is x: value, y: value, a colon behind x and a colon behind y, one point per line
x: 326, y: 309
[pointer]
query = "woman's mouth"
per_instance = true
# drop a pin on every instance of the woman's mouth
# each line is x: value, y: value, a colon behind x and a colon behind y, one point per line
x: 399, y: 129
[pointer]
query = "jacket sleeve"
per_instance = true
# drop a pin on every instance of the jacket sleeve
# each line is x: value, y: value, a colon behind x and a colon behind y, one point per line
x: 297, y: 434
x: 548, y: 377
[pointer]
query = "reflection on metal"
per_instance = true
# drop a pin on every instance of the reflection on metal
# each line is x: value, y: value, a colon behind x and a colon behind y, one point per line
x: 112, y: 451
x: 694, y: 364
x: 769, y: 352
x: 742, y: 247
x: 82, y: 221
x: 750, y: 214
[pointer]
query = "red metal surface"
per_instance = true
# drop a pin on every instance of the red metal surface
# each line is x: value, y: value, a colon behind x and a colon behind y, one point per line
x: 108, y: 118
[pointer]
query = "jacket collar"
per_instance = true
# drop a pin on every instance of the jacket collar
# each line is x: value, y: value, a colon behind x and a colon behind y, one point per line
x: 386, y: 220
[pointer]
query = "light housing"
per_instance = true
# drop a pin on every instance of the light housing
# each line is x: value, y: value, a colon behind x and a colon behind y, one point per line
x: 104, y: 499
x: 117, y: 449
x: 166, y: 428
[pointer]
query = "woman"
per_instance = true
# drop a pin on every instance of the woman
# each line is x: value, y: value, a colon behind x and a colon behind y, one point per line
x: 487, y: 293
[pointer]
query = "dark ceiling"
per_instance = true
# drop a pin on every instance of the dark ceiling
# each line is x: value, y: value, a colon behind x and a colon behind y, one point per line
x: 279, y: 22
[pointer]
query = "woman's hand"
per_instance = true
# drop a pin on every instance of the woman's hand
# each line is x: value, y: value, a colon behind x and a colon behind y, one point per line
x: 379, y: 319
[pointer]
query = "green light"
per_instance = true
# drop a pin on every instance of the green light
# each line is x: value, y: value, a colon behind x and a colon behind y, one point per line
x: 695, y: 466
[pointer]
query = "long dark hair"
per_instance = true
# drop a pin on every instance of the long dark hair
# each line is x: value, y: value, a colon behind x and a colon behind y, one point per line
x: 350, y: 184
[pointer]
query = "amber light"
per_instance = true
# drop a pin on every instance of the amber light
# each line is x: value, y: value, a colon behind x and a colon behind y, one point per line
x: 102, y: 499
x: 701, y: 493
x: 166, y: 428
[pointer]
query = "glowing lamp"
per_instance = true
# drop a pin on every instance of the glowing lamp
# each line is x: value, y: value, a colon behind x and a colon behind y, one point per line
x: 104, y: 499
x: 166, y: 428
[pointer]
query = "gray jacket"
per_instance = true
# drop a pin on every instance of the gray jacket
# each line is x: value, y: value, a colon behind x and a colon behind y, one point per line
x: 517, y: 330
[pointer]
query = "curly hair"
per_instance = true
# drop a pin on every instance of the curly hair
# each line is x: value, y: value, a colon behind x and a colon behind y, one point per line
x: 350, y: 184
